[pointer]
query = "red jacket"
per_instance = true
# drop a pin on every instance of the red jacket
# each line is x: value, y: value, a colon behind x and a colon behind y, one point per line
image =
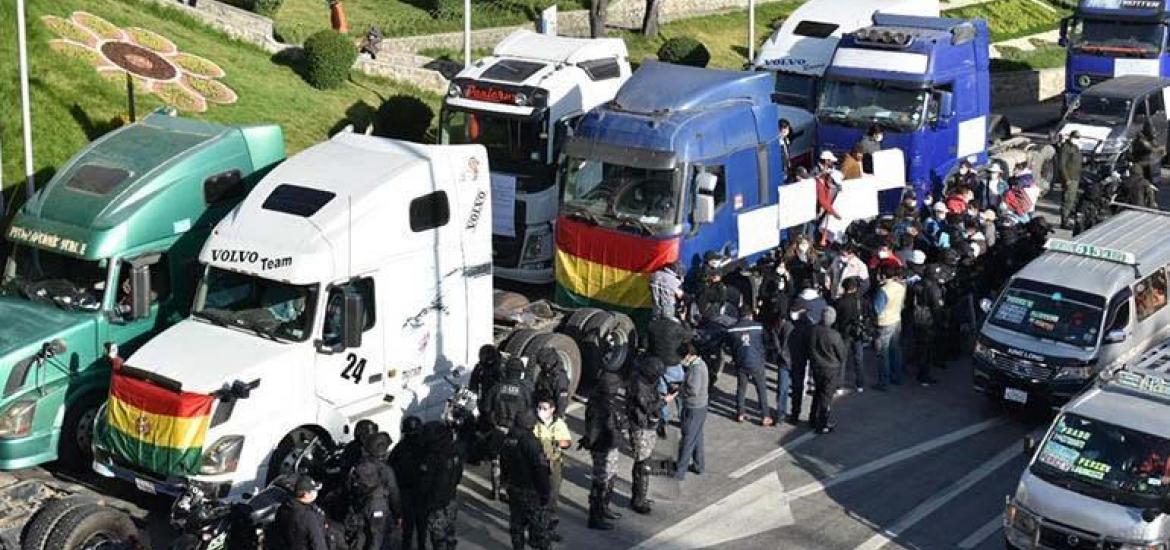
x: 956, y: 204
x: 825, y: 193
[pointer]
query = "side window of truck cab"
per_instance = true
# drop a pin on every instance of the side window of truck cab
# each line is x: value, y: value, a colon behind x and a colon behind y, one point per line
x: 334, y: 309
x: 159, y: 283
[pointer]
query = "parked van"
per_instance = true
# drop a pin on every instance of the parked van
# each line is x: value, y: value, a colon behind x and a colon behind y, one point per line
x: 1079, y: 308
x: 1099, y: 478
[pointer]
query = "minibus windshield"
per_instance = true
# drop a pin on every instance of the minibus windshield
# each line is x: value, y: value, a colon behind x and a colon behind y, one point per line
x: 1049, y: 312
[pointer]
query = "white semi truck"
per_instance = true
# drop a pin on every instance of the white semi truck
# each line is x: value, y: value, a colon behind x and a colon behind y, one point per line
x: 522, y: 103
x: 350, y: 284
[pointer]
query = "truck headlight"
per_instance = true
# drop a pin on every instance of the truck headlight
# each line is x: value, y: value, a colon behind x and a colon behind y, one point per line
x: 536, y: 244
x: 222, y: 456
x: 16, y: 419
x: 1016, y: 517
x: 982, y: 351
x: 1074, y: 373
x: 1143, y: 546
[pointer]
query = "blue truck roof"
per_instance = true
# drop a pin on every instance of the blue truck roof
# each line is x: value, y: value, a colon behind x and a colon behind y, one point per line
x: 944, y: 40
x: 1137, y: 9
x: 664, y: 107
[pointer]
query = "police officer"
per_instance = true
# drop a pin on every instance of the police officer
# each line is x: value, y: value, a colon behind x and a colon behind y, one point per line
x: 716, y: 308
x: 926, y: 310
x: 526, y: 473
x: 644, y: 407
x: 509, y: 397
x: 486, y: 373
x: 746, y: 341
x: 406, y: 461
x: 374, y: 501
x: 300, y: 524
x: 353, y: 451
x: 665, y: 337
x: 605, y: 420
x: 441, y: 470
x: 552, y: 379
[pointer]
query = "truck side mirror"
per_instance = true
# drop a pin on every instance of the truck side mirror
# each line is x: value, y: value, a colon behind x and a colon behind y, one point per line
x: 1115, y: 336
x: 1063, y: 40
x: 353, y: 320
x: 704, y: 209
x: 140, y: 292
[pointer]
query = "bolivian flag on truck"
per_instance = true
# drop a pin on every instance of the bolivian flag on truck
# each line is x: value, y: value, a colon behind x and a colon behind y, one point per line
x: 601, y: 267
x: 155, y: 428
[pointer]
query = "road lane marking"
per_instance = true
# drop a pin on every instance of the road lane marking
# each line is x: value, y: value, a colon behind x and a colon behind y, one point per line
x: 982, y: 534
x: 939, y: 500
x: 731, y: 518
x: 773, y: 455
x: 894, y: 458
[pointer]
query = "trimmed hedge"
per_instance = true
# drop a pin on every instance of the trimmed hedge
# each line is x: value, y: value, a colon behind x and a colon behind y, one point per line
x: 684, y: 50
x: 328, y: 58
x: 403, y: 117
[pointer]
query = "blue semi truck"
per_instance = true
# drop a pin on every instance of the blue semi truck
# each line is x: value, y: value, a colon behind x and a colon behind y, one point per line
x: 925, y: 82
x: 1110, y: 38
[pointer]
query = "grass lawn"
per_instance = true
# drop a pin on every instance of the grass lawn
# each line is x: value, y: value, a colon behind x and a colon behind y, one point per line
x: 1013, y: 18
x: 72, y: 104
x: 725, y: 35
x: 297, y: 19
x: 1047, y: 55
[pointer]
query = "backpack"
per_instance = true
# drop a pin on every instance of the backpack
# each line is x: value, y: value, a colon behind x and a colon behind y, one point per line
x: 920, y: 313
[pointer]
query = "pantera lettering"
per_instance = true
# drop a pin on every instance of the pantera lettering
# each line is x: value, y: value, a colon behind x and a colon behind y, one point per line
x: 47, y: 240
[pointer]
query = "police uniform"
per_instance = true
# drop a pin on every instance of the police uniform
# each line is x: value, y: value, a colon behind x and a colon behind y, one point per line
x: 374, y: 501
x: 441, y: 471
x: 406, y: 460
x: 511, y: 396
x: 301, y: 525
x: 644, y: 408
x: 605, y: 419
x: 526, y: 473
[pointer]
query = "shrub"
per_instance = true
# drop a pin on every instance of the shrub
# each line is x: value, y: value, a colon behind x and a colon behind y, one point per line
x: 403, y: 117
x: 684, y: 50
x: 328, y: 58
x: 267, y: 8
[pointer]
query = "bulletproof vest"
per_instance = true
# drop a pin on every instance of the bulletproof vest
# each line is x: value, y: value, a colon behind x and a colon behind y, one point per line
x: 512, y: 397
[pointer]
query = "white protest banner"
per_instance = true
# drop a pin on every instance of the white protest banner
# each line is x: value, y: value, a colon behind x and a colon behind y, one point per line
x: 798, y: 203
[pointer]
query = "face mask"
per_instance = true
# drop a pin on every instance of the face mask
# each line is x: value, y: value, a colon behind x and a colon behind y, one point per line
x: 545, y: 415
x: 794, y: 315
x: 803, y: 247
x: 878, y: 138
x: 883, y: 254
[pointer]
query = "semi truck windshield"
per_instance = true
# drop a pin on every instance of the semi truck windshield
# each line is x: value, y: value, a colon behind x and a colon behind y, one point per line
x: 1093, y: 108
x: 1049, y: 312
x: 1104, y: 461
x: 623, y: 194
x: 860, y: 105
x: 1117, y: 38
x: 513, y: 144
x: 269, y: 308
x: 67, y: 282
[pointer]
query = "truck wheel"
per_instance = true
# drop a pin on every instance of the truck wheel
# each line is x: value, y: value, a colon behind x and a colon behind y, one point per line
x: 623, y: 341
x: 574, y: 326
x: 566, y: 349
x: 75, y: 449
x: 283, y: 458
x: 604, y: 345
x: 504, y: 303
x: 44, y: 520
x: 518, y: 342
x: 90, y: 526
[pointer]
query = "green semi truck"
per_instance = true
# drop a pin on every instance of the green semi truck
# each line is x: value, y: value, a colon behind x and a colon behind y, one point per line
x: 107, y: 253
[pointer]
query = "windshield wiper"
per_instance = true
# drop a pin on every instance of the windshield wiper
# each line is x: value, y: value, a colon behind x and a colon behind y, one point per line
x: 626, y: 221
x: 578, y: 212
x: 215, y: 316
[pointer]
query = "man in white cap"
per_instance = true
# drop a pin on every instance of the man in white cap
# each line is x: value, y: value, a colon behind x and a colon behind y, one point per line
x: 828, y: 181
x: 827, y: 163
x: 807, y: 311
x: 936, y: 226
x: 993, y: 187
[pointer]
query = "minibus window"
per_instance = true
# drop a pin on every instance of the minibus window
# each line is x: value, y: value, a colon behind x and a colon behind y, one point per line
x: 1150, y: 294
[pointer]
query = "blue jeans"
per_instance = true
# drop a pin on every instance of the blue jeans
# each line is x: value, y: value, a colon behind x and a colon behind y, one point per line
x: 889, y: 354
x: 691, y: 446
x: 783, y: 387
x: 855, y: 361
x: 674, y: 375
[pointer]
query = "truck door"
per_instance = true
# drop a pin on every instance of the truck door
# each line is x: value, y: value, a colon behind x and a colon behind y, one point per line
x: 352, y: 379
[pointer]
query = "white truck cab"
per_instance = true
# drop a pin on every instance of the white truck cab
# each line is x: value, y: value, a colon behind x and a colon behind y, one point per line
x: 801, y: 49
x: 522, y: 103
x: 1099, y: 477
x: 347, y: 285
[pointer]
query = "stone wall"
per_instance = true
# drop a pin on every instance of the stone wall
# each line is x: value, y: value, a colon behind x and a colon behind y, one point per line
x: 233, y: 21
x: 1025, y: 87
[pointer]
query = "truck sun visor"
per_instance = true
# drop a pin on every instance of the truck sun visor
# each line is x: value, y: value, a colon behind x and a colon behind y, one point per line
x: 297, y: 200
x: 625, y: 156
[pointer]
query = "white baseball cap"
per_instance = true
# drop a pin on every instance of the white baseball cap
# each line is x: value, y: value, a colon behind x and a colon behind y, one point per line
x: 918, y: 257
x: 939, y: 206
x: 828, y: 155
x: 995, y: 168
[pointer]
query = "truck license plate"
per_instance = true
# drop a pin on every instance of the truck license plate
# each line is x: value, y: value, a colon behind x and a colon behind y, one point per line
x: 1012, y: 394
x: 145, y: 486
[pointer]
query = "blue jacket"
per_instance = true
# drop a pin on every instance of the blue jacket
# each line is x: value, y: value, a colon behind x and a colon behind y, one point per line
x: 746, y: 340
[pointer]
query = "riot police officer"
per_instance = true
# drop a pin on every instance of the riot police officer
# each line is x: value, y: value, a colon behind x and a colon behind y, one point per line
x: 512, y: 395
x: 406, y: 461
x: 605, y: 420
x: 374, y: 502
x: 441, y: 470
x: 552, y: 380
x: 526, y: 472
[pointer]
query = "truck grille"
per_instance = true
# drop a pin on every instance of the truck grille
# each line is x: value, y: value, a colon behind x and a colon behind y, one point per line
x: 1052, y: 536
x: 1022, y: 367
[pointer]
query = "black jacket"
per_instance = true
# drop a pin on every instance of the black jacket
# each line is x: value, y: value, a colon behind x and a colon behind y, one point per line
x: 605, y: 416
x: 522, y: 461
x: 405, y: 460
x: 850, y: 311
x: 553, y: 382
x: 643, y: 403
x: 777, y: 337
x: 300, y: 526
x: 507, y: 398
x: 483, y: 378
x: 826, y: 349
x: 374, y: 488
x: 664, y: 338
x: 441, y: 467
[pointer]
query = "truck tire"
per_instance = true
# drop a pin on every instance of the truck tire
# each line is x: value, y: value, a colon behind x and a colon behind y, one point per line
x: 75, y: 449
x: 606, y: 343
x: 44, y: 520
x: 88, y: 525
x: 518, y: 342
x: 574, y: 326
x: 295, y: 440
x: 627, y: 326
x: 568, y: 351
x: 504, y: 303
